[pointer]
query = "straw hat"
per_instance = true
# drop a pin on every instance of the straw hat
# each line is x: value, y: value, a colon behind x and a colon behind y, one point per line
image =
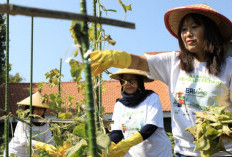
x: 117, y: 74
x: 36, y: 101
x: 173, y: 17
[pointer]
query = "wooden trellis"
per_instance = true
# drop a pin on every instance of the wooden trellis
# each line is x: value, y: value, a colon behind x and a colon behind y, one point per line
x: 37, y: 12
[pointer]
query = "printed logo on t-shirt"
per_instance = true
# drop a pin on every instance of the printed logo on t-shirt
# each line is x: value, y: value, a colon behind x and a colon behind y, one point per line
x: 193, y: 91
x: 132, y: 122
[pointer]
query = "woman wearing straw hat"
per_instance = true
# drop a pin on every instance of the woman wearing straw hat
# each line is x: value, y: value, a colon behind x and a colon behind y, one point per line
x: 41, y: 135
x: 138, y: 118
x: 201, y: 71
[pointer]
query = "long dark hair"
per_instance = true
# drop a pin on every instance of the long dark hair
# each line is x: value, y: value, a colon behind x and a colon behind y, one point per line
x: 214, y: 46
x: 35, y: 123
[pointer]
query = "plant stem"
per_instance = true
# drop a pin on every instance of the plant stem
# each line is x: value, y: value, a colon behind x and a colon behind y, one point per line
x: 89, y: 88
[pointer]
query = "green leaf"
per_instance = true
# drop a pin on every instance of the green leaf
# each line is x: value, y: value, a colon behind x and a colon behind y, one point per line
x: 58, y: 140
x: 226, y: 130
x: 40, y: 86
x: 211, y: 133
x: 211, y: 127
x: 215, y: 146
x: 90, y: 32
x: 216, y: 109
x: 206, y: 115
x: 106, y: 10
x: 202, y: 143
x: 128, y: 7
x: 76, y: 69
x: 125, y: 7
x: 75, y: 53
x: 76, y: 30
x: 109, y: 40
x: 53, y: 77
x: 103, y: 141
x: 77, y: 150
x: 191, y: 130
x: 80, y: 130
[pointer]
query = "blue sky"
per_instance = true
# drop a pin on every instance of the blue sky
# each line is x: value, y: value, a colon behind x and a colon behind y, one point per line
x: 52, y: 39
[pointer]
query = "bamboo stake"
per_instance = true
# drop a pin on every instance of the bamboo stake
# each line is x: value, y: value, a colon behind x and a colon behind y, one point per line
x: 59, y: 87
x: 31, y: 84
x: 94, y: 26
x: 96, y: 78
x: 56, y: 121
x: 36, y: 12
x: 89, y: 88
x: 6, y: 122
x: 100, y: 75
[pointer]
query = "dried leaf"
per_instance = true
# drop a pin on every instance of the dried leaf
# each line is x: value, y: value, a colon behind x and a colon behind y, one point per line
x: 211, y: 127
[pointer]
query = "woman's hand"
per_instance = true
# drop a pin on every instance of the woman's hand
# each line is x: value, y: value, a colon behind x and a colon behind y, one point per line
x: 102, y: 60
x: 47, y: 147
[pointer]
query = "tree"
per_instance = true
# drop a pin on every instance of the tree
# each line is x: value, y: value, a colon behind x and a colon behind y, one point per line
x: 12, y: 78
x: 15, y: 78
x: 2, y: 48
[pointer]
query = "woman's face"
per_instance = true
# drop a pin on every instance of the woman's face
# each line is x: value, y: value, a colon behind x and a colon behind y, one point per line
x: 38, y: 111
x: 192, y: 35
x: 130, y: 83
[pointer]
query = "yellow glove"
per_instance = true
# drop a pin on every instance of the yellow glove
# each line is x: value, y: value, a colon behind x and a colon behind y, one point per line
x: 111, y: 153
x: 47, y: 147
x: 102, y: 60
x: 63, y: 149
x: 124, y: 146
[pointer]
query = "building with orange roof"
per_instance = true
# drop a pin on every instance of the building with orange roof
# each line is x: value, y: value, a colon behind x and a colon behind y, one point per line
x: 111, y: 91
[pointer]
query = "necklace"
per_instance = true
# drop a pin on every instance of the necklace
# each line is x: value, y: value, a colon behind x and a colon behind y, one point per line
x: 131, y: 114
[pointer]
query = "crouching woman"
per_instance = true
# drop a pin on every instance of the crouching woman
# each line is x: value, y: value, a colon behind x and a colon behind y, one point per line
x: 41, y: 135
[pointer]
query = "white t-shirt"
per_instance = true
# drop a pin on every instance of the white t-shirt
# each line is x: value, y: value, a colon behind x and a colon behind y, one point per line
x: 190, y: 92
x: 131, y: 120
x: 19, y: 144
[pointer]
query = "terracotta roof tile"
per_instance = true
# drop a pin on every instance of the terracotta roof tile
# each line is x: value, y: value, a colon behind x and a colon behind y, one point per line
x: 111, y: 91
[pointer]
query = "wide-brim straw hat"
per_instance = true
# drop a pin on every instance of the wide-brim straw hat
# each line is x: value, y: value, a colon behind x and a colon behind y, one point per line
x: 117, y: 74
x: 173, y: 17
x: 36, y: 101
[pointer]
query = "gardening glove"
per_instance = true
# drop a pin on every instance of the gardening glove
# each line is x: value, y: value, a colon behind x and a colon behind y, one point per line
x: 63, y: 149
x: 124, y: 146
x: 102, y: 60
x: 111, y: 149
x: 47, y: 147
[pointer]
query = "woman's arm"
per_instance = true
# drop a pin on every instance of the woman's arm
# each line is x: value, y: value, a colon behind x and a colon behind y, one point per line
x: 102, y: 60
x: 147, y: 131
x: 139, y: 63
x: 21, y: 133
x: 116, y: 136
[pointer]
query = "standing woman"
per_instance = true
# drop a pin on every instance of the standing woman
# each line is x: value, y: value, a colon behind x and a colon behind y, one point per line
x: 138, y: 119
x: 41, y: 135
x: 199, y: 75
